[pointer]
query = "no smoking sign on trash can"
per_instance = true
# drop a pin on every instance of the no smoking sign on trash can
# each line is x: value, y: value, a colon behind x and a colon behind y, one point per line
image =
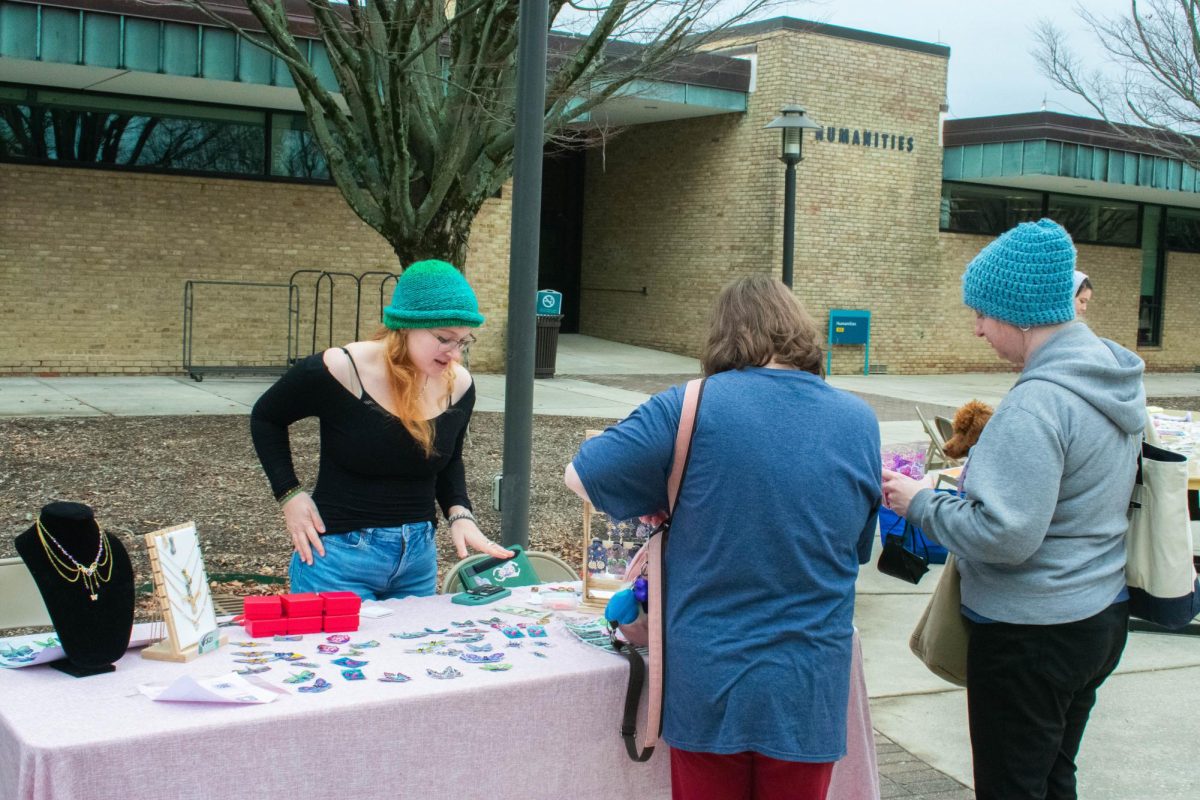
x: 549, y: 319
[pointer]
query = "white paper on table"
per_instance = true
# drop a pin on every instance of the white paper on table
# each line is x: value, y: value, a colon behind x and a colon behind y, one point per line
x: 374, y: 611
x: 46, y: 648
x: 229, y: 688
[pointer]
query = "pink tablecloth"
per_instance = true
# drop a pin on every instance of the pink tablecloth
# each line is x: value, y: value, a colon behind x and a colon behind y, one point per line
x: 548, y: 728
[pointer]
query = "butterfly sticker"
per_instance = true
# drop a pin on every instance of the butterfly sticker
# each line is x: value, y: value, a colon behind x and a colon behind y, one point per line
x: 479, y: 648
x: 445, y: 674
x: 436, y: 630
x: 301, y: 677
x: 295, y: 637
x: 480, y: 658
x: 255, y: 660
x: 348, y: 662
x: 319, y: 686
x: 536, y: 631
x: 252, y: 670
x: 449, y: 651
x: 540, y: 654
x: 252, y: 653
x: 513, y: 644
x: 337, y: 638
x: 289, y: 656
x: 311, y: 664
x: 542, y: 644
x: 395, y: 677
x: 512, y: 632
x: 354, y: 651
x: 327, y: 649
x: 505, y: 667
x: 466, y: 623
x: 413, y: 635
x: 467, y: 638
x: 353, y: 675
x: 366, y: 645
x: 245, y: 644
x: 489, y: 621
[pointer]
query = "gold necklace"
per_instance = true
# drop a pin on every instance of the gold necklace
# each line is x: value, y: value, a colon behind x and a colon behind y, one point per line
x: 90, y: 575
x: 187, y: 590
x: 194, y: 616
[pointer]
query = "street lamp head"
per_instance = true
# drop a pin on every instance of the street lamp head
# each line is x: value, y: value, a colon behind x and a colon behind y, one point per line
x: 792, y: 122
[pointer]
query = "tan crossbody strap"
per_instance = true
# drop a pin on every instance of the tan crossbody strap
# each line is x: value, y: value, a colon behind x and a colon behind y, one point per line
x: 656, y: 579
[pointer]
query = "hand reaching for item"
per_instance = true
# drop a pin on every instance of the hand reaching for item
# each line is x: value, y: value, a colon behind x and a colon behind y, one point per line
x: 464, y: 532
x: 305, y: 525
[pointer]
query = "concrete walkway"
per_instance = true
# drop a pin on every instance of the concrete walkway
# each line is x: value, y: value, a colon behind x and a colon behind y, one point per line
x: 1142, y: 743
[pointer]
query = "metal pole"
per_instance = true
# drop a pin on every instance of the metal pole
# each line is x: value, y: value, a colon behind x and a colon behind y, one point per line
x: 532, y: 23
x: 789, y: 220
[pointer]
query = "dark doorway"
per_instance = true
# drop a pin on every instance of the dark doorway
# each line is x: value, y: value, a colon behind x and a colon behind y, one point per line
x: 559, y: 262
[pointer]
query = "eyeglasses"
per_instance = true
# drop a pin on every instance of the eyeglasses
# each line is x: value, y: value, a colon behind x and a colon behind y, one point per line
x: 462, y: 345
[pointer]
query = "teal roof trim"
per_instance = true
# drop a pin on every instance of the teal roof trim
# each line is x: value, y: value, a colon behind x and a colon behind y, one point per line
x: 993, y: 160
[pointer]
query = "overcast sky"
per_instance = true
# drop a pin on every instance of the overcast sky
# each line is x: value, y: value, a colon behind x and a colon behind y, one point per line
x: 991, y: 69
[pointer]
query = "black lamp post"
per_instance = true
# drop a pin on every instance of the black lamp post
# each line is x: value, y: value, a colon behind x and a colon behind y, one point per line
x: 792, y: 121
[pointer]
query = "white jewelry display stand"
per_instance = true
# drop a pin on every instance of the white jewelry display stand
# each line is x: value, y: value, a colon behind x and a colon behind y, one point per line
x: 184, y: 599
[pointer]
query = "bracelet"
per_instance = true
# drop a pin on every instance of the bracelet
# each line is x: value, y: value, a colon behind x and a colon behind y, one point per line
x: 453, y: 518
x: 289, y: 494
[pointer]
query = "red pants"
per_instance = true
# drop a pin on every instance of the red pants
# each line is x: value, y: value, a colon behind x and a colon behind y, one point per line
x: 746, y: 776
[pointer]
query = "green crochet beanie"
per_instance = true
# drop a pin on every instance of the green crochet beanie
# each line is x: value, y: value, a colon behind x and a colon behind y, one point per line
x: 432, y: 294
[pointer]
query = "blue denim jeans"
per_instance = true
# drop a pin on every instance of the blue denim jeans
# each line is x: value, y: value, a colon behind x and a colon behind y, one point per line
x: 374, y: 563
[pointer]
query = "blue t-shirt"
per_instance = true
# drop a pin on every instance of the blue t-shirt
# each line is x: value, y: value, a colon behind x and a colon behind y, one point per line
x: 776, y: 512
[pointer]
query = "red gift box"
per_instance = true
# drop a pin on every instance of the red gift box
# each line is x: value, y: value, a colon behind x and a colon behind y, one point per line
x: 339, y: 604
x: 269, y: 607
x: 259, y: 628
x: 303, y: 625
x: 341, y: 624
x: 302, y: 605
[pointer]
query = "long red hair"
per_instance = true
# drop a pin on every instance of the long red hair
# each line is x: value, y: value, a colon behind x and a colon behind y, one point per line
x: 406, y: 384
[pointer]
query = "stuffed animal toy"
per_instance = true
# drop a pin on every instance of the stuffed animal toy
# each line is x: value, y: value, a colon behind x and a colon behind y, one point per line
x: 968, y: 426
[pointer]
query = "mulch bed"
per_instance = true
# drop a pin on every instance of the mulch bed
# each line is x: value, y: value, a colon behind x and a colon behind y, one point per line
x: 140, y: 474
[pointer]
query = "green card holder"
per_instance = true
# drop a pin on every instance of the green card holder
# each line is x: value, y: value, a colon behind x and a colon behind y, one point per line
x: 506, y: 572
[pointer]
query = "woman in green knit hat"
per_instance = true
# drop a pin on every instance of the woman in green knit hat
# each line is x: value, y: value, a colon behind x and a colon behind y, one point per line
x: 393, y: 412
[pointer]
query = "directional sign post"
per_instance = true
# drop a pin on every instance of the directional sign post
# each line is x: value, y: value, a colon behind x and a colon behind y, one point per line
x: 849, y: 327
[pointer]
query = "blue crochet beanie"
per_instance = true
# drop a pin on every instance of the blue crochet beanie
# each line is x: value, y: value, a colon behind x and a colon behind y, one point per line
x: 1025, y: 277
x: 432, y: 294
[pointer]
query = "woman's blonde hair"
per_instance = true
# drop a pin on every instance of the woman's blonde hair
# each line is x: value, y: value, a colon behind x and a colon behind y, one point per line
x: 406, y: 385
x: 756, y: 319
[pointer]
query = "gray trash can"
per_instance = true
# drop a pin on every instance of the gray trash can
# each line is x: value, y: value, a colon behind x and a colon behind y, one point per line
x: 547, y: 345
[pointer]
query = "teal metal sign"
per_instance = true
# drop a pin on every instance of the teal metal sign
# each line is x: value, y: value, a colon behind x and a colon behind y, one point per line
x: 848, y: 326
x: 549, y: 302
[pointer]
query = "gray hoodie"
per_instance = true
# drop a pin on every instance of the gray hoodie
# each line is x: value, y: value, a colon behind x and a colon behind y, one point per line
x: 1040, y: 536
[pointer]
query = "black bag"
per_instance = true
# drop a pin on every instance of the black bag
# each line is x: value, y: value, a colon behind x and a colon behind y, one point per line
x: 900, y: 558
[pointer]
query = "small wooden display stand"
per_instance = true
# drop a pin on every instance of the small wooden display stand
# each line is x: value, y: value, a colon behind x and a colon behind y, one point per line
x: 181, y: 588
x: 596, y: 590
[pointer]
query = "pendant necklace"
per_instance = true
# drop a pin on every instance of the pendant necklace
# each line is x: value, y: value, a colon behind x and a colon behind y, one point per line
x: 184, y: 586
x: 91, y: 575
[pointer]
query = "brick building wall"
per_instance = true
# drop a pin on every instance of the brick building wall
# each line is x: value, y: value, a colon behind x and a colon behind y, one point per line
x: 93, y: 265
x: 683, y: 207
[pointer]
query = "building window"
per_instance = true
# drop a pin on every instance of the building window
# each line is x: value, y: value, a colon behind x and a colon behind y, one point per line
x: 985, y: 209
x: 43, y: 125
x: 294, y: 150
x: 1154, y: 258
x: 1095, y: 221
x: 1183, y: 230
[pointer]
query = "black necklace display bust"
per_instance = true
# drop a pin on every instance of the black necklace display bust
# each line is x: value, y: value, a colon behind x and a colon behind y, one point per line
x: 86, y: 581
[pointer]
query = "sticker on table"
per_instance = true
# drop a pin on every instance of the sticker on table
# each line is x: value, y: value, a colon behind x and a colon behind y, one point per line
x: 255, y: 660
x: 467, y: 638
x: 409, y: 635
x: 353, y: 675
x: 337, y: 638
x: 395, y: 677
x: 536, y: 631
x: 505, y: 667
x: 366, y: 645
x: 294, y: 637
x: 479, y: 648
x: 290, y: 656
x: 328, y: 649
x: 319, y: 686
x: 466, y: 623
x: 540, y: 654
x: 444, y: 674
x: 245, y: 644
x: 301, y: 677
x: 252, y: 670
x: 348, y: 662
x: 449, y: 651
x: 482, y: 658
x: 513, y: 632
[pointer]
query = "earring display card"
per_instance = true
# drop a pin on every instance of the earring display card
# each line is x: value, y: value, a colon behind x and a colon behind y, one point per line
x: 181, y: 586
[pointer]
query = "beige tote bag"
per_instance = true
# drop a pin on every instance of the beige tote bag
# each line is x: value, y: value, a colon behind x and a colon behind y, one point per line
x: 940, y: 638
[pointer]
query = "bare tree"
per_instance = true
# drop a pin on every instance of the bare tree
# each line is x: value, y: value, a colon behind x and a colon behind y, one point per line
x: 419, y: 131
x: 1149, y: 90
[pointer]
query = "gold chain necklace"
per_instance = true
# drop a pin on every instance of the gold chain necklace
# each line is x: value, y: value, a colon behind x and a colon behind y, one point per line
x: 201, y: 597
x: 184, y: 586
x: 90, y: 575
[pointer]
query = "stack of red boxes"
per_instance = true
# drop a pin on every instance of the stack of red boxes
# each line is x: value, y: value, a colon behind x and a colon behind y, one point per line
x: 277, y: 615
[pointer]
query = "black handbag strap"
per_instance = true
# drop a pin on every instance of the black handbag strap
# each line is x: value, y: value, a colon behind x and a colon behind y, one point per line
x: 637, y: 664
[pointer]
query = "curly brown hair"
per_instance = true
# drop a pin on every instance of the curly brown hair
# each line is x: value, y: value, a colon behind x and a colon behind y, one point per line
x: 757, y: 319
